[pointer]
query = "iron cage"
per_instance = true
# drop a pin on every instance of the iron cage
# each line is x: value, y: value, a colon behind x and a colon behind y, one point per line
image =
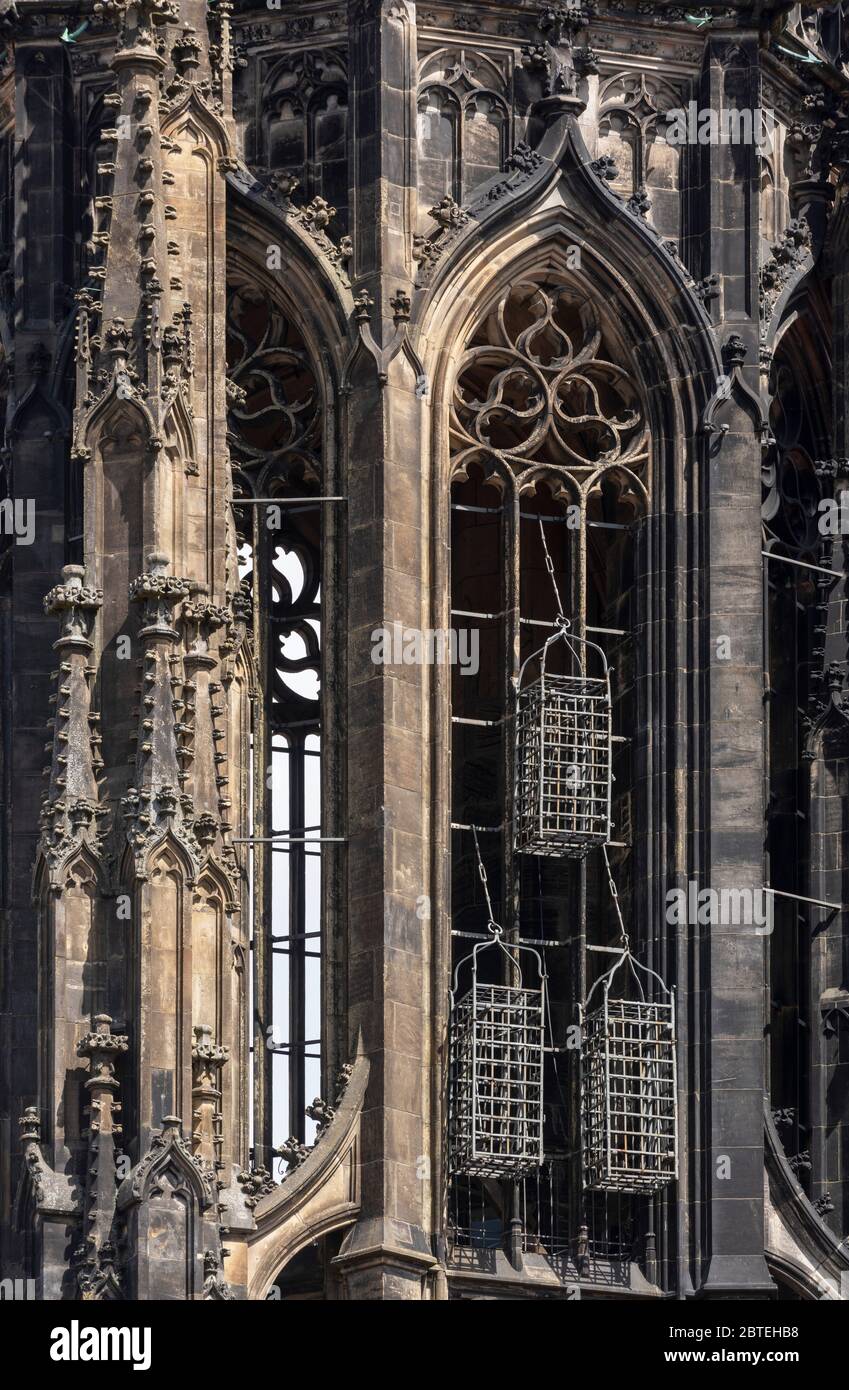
x: 563, y: 756
x: 629, y: 1088
x: 496, y: 1051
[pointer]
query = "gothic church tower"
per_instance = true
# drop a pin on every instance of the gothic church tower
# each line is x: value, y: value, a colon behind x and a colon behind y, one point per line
x: 410, y: 399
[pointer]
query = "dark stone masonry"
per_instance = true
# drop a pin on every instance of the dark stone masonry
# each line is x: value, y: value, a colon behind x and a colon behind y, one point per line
x: 338, y: 966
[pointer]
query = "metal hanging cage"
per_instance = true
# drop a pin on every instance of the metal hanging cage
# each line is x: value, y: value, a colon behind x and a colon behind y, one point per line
x: 629, y: 1105
x: 563, y: 753
x: 496, y: 1051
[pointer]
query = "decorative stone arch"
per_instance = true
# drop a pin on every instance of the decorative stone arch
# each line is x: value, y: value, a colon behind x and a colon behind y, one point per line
x: 209, y: 129
x: 210, y: 946
x: 310, y: 84
x: 74, y: 927
x: 313, y: 292
x: 168, y: 1208
x: 312, y: 465
x: 456, y: 86
x: 801, y: 1250
x: 667, y: 343
x: 170, y: 852
x: 322, y: 1195
x: 162, y: 984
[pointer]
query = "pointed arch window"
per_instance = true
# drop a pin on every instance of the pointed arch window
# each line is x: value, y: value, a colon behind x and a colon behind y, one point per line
x: 807, y: 756
x: 276, y: 447
x: 549, y: 439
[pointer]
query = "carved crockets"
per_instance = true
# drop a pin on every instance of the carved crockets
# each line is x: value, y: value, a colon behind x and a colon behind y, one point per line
x: 137, y: 883
x: 71, y: 815
x: 208, y: 1058
x: 97, y: 1277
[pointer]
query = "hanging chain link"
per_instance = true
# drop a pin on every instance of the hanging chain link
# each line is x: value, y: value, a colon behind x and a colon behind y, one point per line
x: 560, y: 617
x: 561, y: 622
x: 492, y: 925
x: 626, y: 945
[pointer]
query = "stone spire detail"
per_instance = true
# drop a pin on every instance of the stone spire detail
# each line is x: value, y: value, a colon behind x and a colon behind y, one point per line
x: 134, y: 337
x: 154, y: 804
x: 71, y: 814
x: 208, y: 1058
x: 96, y: 1275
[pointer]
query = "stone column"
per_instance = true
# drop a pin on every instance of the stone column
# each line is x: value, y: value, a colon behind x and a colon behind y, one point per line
x: 387, y: 1255
x: 732, y: 956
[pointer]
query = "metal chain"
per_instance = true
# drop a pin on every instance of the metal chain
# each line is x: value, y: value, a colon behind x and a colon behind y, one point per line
x: 492, y: 925
x: 560, y: 619
x: 626, y: 945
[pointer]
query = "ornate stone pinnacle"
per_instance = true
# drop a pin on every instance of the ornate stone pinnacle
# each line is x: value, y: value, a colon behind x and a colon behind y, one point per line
x: 72, y: 595
x: 102, y: 1046
x: 205, y: 1050
x: 29, y: 1125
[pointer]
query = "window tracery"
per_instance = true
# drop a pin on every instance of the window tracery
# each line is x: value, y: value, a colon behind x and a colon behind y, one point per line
x: 276, y: 442
x: 303, y: 129
x: 632, y: 130
x: 806, y: 728
x: 463, y: 126
x: 549, y: 433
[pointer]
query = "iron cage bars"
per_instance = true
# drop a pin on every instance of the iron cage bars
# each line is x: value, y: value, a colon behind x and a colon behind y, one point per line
x: 629, y: 1102
x: 563, y: 755
x: 496, y: 1056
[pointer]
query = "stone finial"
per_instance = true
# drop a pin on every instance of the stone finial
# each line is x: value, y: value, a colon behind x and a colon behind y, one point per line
x: 205, y: 1049
x: 448, y: 213
x: 29, y: 1125
x: 401, y: 304
x: 734, y: 351
x: 102, y: 1045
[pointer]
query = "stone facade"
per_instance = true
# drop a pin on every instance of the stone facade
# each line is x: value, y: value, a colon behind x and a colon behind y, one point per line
x: 323, y: 320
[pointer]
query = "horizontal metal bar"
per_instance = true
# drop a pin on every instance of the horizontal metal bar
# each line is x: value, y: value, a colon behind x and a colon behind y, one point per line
x: 290, y: 839
x: 608, y: 950
x: 535, y: 622
x: 280, y: 501
x: 541, y: 622
x: 284, y: 1048
x: 497, y: 829
x: 535, y: 516
x: 801, y: 564
x: 519, y: 940
x: 479, y: 723
x: 287, y: 951
x: 797, y: 897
